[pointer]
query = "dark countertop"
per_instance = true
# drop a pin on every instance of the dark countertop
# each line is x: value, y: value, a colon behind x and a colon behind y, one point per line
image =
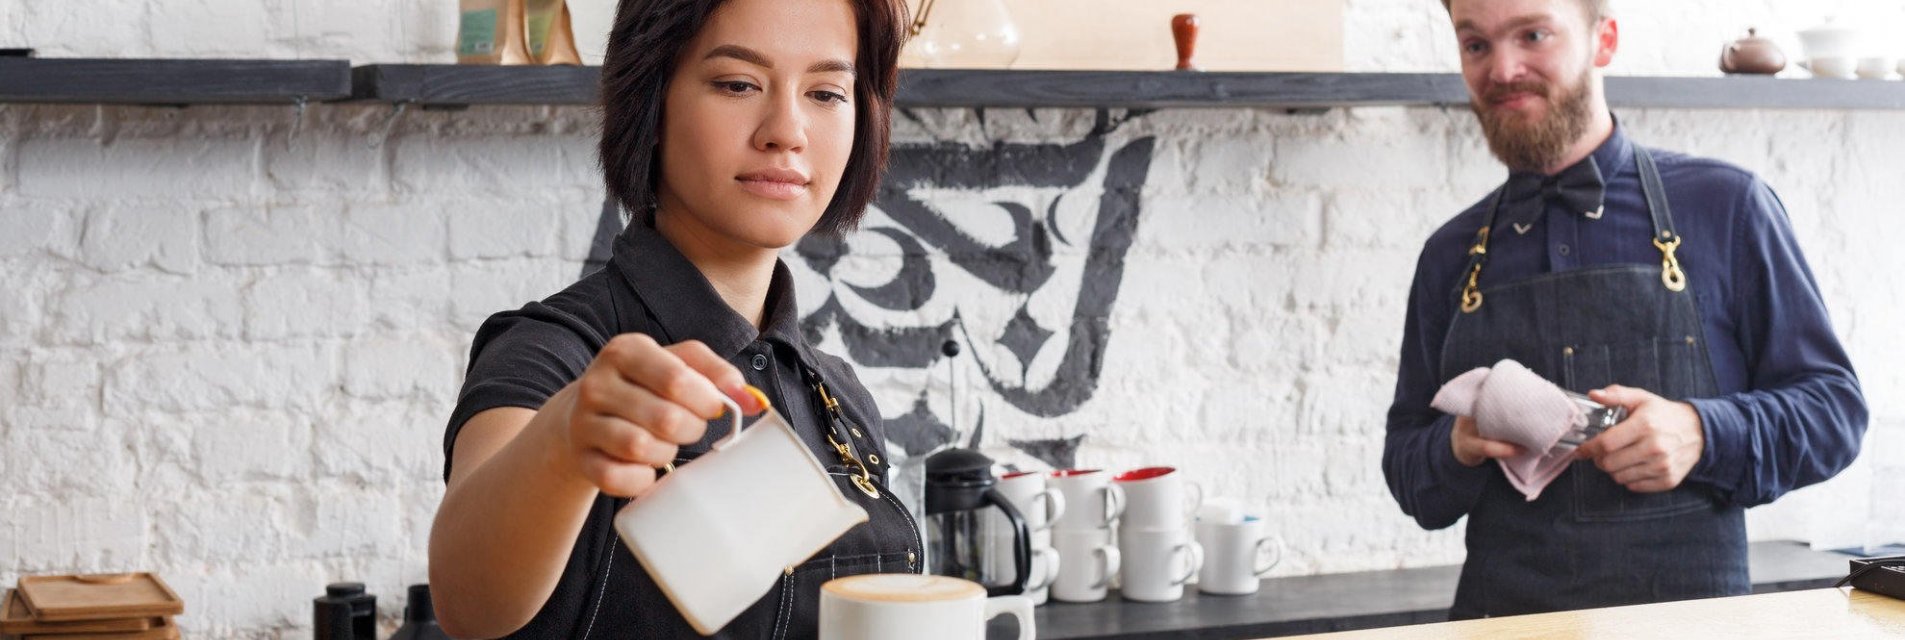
x: 1347, y: 601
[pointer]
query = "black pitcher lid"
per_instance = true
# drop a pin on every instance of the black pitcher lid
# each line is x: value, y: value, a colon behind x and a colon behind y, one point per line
x: 958, y: 462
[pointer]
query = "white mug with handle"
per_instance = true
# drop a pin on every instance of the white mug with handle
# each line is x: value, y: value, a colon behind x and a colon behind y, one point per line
x: 879, y: 606
x: 1235, y: 556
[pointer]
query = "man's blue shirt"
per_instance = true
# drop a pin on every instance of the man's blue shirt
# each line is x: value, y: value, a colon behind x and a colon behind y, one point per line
x: 1790, y: 412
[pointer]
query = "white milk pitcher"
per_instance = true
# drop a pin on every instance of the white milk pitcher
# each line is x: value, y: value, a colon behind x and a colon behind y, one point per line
x: 717, y: 533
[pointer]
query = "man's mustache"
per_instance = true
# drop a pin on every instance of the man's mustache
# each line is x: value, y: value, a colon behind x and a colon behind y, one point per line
x: 1497, y: 92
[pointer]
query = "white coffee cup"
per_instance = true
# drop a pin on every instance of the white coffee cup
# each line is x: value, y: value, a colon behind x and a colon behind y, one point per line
x: 1091, y: 501
x: 1157, y: 563
x: 766, y: 472
x: 1234, y: 554
x: 879, y: 606
x: 1027, y: 491
x: 1087, y: 561
x: 1157, y: 498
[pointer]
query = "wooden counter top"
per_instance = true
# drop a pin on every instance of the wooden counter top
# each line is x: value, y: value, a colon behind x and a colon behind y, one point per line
x: 1816, y: 613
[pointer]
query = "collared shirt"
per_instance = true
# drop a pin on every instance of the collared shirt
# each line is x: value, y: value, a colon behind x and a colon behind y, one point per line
x: 1790, y: 412
x: 521, y: 358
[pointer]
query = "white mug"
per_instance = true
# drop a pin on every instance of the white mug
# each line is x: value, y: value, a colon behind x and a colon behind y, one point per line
x: 878, y: 606
x: 1234, y: 556
x: 1000, y: 560
x: 766, y: 472
x: 1087, y: 561
x: 1091, y: 501
x: 1157, y: 498
x: 1157, y: 563
x: 1041, y: 505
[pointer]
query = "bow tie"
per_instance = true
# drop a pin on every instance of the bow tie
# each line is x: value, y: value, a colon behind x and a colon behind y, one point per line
x: 1578, y: 189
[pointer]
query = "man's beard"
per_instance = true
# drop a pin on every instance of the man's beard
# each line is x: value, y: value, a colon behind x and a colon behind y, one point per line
x: 1535, y: 145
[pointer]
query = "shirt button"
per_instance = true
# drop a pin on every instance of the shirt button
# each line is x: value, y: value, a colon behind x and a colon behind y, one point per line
x: 760, y: 362
x: 1563, y: 249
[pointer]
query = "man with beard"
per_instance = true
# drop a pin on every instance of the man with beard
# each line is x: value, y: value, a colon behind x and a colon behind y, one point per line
x: 1662, y: 283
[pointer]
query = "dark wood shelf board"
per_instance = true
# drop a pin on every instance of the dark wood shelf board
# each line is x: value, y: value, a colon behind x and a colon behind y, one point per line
x: 171, y: 81
x: 1172, y: 89
x: 449, y: 85
x: 461, y: 85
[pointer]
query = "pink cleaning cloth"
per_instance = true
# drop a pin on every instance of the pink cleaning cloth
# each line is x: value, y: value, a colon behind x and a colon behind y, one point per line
x: 1512, y: 404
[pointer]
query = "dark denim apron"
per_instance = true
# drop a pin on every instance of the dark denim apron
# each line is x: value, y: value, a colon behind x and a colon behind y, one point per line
x: 1588, y: 541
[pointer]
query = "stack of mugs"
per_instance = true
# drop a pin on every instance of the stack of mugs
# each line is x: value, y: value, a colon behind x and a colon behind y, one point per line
x: 1088, y: 559
x: 1154, y: 536
x: 1041, y: 506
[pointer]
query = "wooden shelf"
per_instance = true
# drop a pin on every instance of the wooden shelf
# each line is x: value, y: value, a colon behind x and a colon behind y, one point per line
x: 448, y: 85
x: 172, y: 82
x: 454, y: 85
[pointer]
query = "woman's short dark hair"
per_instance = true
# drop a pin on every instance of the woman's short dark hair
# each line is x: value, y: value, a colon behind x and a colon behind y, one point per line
x: 643, y: 48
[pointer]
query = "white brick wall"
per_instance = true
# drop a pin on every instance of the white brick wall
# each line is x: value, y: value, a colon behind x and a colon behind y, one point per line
x: 226, y: 352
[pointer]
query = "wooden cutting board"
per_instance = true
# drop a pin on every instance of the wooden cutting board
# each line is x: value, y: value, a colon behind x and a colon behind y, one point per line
x: 64, y: 598
x: 162, y: 629
x: 16, y: 619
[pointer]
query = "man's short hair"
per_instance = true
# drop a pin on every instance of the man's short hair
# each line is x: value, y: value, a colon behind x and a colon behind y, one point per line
x: 1596, y: 9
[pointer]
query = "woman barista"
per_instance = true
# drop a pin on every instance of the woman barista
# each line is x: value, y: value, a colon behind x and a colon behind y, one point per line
x: 731, y: 128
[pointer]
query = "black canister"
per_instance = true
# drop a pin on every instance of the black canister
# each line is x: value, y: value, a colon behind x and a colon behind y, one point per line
x: 420, y: 617
x: 344, y: 612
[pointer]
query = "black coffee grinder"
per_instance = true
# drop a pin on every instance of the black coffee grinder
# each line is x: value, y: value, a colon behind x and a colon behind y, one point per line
x: 959, y: 489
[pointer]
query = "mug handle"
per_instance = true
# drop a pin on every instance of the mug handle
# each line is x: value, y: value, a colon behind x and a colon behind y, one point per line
x: 734, y: 409
x: 1114, y: 504
x: 1263, y: 569
x: 1054, y: 506
x: 1196, y: 557
x: 1047, y: 559
x: 1112, y: 564
x: 1020, y: 607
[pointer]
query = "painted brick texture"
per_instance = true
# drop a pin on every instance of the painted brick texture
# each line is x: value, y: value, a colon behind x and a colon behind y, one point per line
x: 227, y: 352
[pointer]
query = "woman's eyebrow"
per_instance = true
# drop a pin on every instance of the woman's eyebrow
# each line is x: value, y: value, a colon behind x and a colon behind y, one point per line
x: 753, y: 57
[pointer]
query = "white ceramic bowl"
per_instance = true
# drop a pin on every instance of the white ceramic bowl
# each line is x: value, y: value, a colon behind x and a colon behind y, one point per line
x: 1830, y: 40
x: 1874, y: 68
x: 1843, y: 67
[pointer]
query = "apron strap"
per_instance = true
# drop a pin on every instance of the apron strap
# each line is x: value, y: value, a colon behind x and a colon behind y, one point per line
x: 1665, y: 239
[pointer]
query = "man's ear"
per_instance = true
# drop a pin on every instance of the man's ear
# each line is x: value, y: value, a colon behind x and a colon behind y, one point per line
x: 1607, y: 40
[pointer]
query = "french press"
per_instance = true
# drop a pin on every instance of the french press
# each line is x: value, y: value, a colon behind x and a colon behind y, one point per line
x: 961, y: 532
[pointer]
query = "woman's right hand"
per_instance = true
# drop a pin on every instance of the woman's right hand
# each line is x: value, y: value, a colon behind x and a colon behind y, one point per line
x: 636, y: 404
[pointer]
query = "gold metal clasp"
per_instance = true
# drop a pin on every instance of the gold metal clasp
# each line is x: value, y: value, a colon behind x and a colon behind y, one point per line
x: 1471, y: 293
x: 863, y: 481
x: 1670, y: 273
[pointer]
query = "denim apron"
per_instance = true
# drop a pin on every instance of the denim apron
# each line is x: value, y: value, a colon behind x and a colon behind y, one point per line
x: 1588, y: 541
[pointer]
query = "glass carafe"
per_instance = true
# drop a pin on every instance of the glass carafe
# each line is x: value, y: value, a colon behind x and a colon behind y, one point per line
x: 971, y: 527
x: 963, y: 34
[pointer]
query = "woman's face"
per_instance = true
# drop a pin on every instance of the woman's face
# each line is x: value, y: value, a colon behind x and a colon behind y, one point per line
x: 758, y: 122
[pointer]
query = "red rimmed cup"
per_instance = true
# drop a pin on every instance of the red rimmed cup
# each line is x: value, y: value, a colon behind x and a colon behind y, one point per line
x: 1091, y: 501
x: 1158, y: 498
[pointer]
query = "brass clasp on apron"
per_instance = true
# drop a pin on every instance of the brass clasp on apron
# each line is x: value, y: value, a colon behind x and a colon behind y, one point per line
x: 1670, y: 273
x: 1471, y: 294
